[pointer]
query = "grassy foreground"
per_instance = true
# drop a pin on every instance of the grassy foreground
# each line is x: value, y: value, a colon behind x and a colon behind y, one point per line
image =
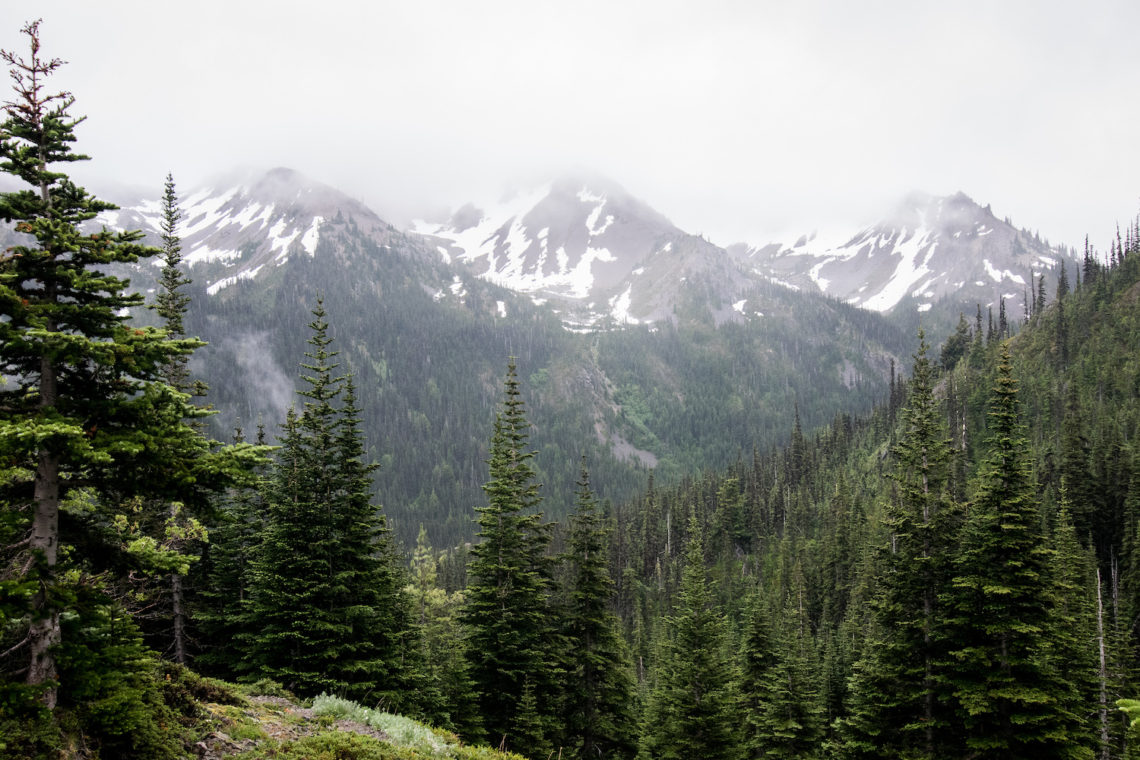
x: 215, y: 720
x: 331, y: 727
x: 254, y: 725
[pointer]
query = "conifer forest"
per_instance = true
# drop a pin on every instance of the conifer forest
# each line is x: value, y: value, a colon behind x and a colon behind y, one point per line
x: 952, y: 571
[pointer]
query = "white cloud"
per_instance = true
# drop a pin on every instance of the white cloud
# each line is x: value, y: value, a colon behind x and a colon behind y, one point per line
x: 740, y: 120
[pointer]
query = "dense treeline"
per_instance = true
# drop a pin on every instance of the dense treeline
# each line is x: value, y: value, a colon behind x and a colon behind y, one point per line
x: 428, y: 373
x: 985, y: 514
x: 954, y: 575
x: 676, y: 398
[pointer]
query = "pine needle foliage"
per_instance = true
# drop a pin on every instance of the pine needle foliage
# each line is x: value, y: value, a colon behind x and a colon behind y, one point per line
x: 327, y: 591
x: 598, y: 714
x: 88, y: 419
x: 1009, y: 701
x: 899, y: 698
x: 693, y: 709
x: 510, y: 633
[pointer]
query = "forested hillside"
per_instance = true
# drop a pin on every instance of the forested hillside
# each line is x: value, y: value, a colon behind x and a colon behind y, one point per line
x: 428, y: 343
x: 953, y: 574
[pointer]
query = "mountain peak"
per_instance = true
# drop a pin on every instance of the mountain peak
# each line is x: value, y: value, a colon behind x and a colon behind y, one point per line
x: 928, y: 249
x: 580, y: 240
x: 589, y: 184
x: 250, y: 222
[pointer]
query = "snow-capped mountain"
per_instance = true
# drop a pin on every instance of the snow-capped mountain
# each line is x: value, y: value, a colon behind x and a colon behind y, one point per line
x: 246, y: 226
x: 929, y: 249
x: 593, y: 250
x: 599, y: 256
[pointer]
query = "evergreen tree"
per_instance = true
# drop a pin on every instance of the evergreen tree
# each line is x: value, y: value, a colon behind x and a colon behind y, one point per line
x: 598, y: 716
x: 327, y: 594
x: 531, y: 729
x: 899, y: 692
x: 1075, y: 644
x: 171, y: 302
x: 446, y: 697
x: 509, y: 640
x: 1130, y: 582
x: 222, y: 620
x: 1006, y: 691
x: 84, y: 405
x: 1088, y: 263
x: 1061, y: 337
x: 369, y: 578
x: 797, y: 449
x: 693, y: 709
x: 652, y: 543
x: 1074, y: 468
x: 957, y: 344
x: 782, y: 710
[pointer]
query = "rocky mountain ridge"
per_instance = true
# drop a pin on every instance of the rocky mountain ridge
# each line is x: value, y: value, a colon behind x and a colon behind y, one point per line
x: 601, y: 258
x: 926, y: 251
x: 594, y: 252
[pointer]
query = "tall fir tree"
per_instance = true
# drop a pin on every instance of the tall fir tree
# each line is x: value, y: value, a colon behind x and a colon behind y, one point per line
x: 84, y: 403
x: 1075, y: 643
x: 446, y: 697
x: 693, y: 708
x: 782, y: 707
x: 598, y: 715
x: 225, y: 577
x: 509, y: 631
x: 380, y: 659
x: 327, y: 593
x: 957, y: 344
x: 171, y: 303
x: 1007, y: 694
x: 899, y: 693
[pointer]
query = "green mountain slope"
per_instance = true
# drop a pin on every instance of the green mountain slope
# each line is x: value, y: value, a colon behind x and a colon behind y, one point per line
x: 814, y: 529
x: 428, y: 345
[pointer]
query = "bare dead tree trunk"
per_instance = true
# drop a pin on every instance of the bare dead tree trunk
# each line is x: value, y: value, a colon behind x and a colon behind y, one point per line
x: 179, y: 615
x: 1104, y: 740
x: 44, y: 631
x: 177, y: 608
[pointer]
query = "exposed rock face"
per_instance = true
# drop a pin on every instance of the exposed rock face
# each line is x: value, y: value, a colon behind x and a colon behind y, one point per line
x: 928, y: 250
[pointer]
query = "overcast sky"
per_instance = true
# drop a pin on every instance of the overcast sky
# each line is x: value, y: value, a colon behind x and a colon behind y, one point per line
x: 739, y: 120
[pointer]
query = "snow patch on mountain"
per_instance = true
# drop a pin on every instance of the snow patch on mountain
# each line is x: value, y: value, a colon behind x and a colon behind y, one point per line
x: 586, y: 245
x: 217, y: 285
x: 312, y: 236
x: 619, y: 307
x: 998, y: 276
x: 470, y: 240
x: 592, y: 221
x: 928, y: 249
x: 914, y: 255
x: 232, y: 229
